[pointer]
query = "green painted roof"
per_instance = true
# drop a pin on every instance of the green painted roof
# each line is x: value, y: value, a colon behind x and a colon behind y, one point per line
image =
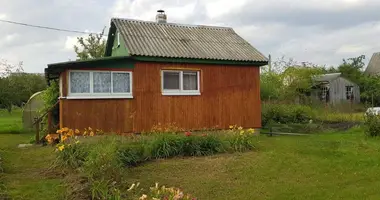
x: 168, y: 40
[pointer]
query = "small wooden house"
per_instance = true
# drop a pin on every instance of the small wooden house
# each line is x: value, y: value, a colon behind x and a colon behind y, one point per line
x: 334, y: 89
x: 162, y: 73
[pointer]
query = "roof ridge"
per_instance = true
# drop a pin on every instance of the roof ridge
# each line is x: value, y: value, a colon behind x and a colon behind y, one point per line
x: 175, y: 24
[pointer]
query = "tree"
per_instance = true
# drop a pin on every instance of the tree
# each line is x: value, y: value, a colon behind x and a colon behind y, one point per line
x: 90, y: 47
x: 352, y: 69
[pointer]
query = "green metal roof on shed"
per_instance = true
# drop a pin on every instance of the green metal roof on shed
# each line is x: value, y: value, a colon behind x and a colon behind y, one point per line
x: 169, y: 40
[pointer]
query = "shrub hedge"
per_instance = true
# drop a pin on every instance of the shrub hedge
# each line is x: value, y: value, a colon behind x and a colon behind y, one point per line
x: 294, y: 113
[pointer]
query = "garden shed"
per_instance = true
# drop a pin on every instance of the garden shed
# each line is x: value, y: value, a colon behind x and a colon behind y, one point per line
x: 159, y: 73
x: 334, y: 89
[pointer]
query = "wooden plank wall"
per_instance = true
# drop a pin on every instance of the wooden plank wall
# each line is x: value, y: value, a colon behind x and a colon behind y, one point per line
x: 229, y: 95
x: 111, y: 115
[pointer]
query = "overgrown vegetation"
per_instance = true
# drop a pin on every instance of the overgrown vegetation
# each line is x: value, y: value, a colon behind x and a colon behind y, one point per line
x: 372, y: 125
x: 288, y: 81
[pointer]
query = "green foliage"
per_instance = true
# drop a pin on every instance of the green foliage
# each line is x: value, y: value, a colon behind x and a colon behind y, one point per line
x: 73, y: 156
x: 240, y: 140
x: 286, y: 113
x: 16, y: 87
x: 91, y: 47
x: 50, y: 97
x: 372, y: 125
x: 132, y: 155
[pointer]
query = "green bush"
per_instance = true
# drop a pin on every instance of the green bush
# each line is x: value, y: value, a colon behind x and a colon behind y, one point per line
x: 132, y: 155
x: 372, y: 125
x: 286, y: 113
x: 200, y: 145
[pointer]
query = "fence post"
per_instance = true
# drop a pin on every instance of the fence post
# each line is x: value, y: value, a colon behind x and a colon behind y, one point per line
x: 37, y: 132
x: 49, y: 122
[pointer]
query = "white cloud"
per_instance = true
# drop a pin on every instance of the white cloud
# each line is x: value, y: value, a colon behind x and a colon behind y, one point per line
x: 322, y: 32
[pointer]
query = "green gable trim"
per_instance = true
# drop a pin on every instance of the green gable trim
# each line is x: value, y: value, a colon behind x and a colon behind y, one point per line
x: 198, y: 61
x: 119, y: 50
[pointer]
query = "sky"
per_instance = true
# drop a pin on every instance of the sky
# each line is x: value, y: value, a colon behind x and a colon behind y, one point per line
x: 322, y: 32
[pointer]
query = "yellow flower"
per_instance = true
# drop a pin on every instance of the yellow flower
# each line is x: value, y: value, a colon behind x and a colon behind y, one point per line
x: 70, y: 133
x: 59, y: 131
x: 92, y: 133
x: 251, y: 130
x: 89, y: 128
x: 231, y: 126
x: 240, y: 128
x: 84, y: 133
x: 77, y: 131
x: 49, y: 139
x: 63, y: 138
x: 65, y: 129
x: 241, y: 132
x: 61, y: 148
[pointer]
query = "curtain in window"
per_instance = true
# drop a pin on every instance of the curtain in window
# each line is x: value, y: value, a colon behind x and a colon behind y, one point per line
x: 190, y: 81
x: 121, y: 82
x: 102, y: 82
x: 80, y: 82
x: 171, y: 80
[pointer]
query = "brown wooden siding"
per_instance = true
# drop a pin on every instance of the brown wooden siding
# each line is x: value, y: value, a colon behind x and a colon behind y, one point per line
x: 229, y: 95
x: 112, y: 115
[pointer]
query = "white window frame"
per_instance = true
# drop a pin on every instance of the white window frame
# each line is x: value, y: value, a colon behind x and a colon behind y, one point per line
x: 93, y: 95
x: 181, y: 91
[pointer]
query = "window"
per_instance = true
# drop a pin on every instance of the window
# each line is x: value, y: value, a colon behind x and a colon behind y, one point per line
x: 176, y: 82
x: 118, y: 39
x: 349, y: 92
x: 325, y: 93
x: 100, y: 84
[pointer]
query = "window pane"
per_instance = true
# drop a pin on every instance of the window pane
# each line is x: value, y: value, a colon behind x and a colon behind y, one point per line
x: 121, y: 82
x: 190, y: 81
x: 102, y: 82
x: 171, y: 80
x: 80, y: 82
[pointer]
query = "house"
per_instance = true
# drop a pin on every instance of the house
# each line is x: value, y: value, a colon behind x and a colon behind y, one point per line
x: 334, y: 89
x: 162, y: 73
x: 373, y: 67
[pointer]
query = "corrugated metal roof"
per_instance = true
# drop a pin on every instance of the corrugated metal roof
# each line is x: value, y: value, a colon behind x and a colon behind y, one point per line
x: 373, y: 67
x: 169, y: 40
x: 326, y: 77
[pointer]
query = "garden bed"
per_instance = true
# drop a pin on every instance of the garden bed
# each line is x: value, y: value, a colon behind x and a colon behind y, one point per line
x: 100, y: 159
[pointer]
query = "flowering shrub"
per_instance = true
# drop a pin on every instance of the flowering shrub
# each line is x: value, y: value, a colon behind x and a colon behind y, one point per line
x: 70, y: 136
x: 161, y: 193
x: 241, y: 139
x: 165, y: 128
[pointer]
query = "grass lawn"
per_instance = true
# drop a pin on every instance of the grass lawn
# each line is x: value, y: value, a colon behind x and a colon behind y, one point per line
x: 23, y: 169
x: 328, y: 166
x: 11, y: 122
x: 340, y: 165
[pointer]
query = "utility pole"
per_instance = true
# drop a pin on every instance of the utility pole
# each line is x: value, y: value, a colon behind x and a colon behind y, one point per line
x: 270, y: 63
